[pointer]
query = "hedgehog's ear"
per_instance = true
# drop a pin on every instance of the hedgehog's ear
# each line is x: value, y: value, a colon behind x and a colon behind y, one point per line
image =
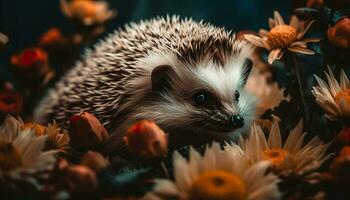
x: 247, y: 68
x: 161, y: 77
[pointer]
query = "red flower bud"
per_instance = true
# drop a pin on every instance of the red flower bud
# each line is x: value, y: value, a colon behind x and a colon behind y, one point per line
x: 339, y: 35
x: 146, y: 139
x: 86, y: 131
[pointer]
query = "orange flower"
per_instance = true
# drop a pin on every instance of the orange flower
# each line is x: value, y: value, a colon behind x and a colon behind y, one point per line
x: 38, y: 128
x: 339, y: 35
x: 51, y: 36
x: 86, y: 131
x: 10, y: 102
x: 29, y: 57
x: 146, y: 139
x: 32, y: 64
x: 87, y: 12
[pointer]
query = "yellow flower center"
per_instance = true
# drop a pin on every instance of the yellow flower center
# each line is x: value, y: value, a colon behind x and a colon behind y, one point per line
x: 217, y: 185
x: 276, y: 156
x: 10, y: 157
x: 343, y: 95
x: 281, y: 36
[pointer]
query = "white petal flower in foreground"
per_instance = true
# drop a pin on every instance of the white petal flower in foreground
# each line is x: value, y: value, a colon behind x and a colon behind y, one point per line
x: 290, y: 157
x: 282, y: 36
x: 217, y: 175
x: 21, y: 151
x: 334, y: 97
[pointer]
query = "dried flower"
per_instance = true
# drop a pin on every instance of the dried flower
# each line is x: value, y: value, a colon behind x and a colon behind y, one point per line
x: 11, y: 102
x: 282, y: 36
x: 146, y: 139
x: 57, y: 138
x: 339, y: 34
x: 292, y: 157
x: 333, y: 97
x: 32, y: 64
x: 87, y: 12
x: 222, y: 175
x: 21, y: 151
x: 95, y: 161
x: 86, y: 132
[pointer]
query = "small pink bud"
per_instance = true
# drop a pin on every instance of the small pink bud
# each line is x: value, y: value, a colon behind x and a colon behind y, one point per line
x: 80, y: 179
x: 146, y: 139
x: 339, y: 34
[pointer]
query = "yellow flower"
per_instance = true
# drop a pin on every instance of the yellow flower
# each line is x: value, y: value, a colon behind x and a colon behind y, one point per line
x: 334, y: 97
x: 217, y: 175
x: 282, y: 36
x: 292, y: 157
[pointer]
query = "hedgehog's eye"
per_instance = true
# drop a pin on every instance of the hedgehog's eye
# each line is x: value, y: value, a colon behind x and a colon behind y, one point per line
x: 201, y: 97
x: 237, y: 96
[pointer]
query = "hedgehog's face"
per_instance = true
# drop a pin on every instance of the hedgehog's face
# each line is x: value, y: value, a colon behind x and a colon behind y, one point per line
x: 206, y: 98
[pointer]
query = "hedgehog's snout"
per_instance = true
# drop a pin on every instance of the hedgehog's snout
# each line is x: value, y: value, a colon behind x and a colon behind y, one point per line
x: 236, y: 121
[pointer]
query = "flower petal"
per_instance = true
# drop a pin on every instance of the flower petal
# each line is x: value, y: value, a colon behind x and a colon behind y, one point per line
x: 273, y: 55
x: 301, y: 50
x: 278, y: 18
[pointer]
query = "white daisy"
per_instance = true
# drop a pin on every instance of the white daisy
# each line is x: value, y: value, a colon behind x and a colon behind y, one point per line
x: 282, y: 36
x: 334, y: 97
x: 287, y: 158
x: 268, y: 93
x: 21, y: 151
x: 218, y: 174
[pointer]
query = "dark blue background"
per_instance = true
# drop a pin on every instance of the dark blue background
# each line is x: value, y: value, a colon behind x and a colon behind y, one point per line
x: 24, y: 21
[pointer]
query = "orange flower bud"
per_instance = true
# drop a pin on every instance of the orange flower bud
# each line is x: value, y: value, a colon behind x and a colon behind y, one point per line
x: 146, y: 139
x: 38, y: 128
x: 339, y: 35
x: 10, y: 102
x: 95, y: 161
x: 86, y: 131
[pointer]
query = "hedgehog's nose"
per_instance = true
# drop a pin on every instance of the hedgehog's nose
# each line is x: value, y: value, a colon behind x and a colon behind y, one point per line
x: 237, y: 121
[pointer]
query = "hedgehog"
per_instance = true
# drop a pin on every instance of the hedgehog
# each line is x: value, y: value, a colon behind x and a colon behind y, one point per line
x: 187, y: 76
